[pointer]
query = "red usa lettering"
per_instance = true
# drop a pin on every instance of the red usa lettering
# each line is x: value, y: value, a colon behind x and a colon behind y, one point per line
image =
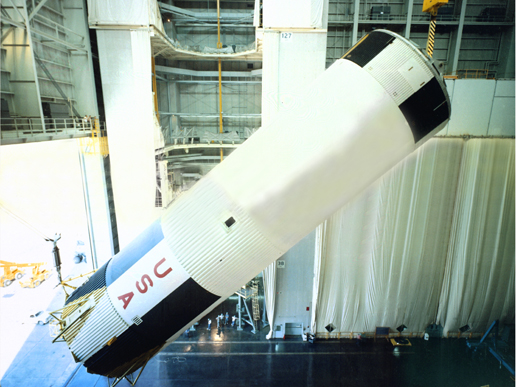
x: 146, y: 282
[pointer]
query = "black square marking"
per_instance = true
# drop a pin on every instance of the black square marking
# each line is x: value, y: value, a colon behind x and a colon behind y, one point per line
x: 230, y: 222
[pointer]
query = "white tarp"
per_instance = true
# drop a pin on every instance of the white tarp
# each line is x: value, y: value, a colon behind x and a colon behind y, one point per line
x: 479, y: 277
x: 125, y: 12
x: 295, y: 14
x: 269, y: 290
x: 431, y: 241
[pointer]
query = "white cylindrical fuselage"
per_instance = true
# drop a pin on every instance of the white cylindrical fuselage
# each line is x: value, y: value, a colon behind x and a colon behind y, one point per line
x: 363, y: 115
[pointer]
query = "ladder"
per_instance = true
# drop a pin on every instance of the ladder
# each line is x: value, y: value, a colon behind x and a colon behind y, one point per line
x: 254, y: 300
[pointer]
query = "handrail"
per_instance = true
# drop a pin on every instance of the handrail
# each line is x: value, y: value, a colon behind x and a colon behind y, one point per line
x: 196, y: 136
x: 27, y: 129
x: 471, y: 74
x: 56, y: 26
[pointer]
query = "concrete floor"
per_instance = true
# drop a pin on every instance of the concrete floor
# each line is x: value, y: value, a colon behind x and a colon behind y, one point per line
x: 228, y: 357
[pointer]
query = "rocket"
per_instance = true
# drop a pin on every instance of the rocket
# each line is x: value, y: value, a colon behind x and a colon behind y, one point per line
x: 363, y: 115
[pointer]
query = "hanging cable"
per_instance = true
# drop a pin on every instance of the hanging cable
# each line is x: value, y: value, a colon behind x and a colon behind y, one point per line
x: 431, y: 7
x: 24, y: 222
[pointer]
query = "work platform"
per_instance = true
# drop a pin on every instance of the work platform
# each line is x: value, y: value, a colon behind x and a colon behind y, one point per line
x: 20, y: 130
x: 164, y: 46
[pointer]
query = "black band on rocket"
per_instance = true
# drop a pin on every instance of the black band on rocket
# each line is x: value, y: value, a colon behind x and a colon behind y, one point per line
x: 369, y: 47
x: 426, y: 109
x: 158, y: 325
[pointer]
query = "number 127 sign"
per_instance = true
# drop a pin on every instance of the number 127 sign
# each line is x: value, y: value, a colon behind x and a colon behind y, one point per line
x: 286, y: 36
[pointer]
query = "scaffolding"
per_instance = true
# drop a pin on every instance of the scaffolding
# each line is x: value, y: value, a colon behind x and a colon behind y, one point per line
x: 96, y: 143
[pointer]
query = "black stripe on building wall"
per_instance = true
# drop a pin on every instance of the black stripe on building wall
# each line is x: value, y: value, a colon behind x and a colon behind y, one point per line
x: 158, y: 325
x: 367, y: 48
x: 426, y: 109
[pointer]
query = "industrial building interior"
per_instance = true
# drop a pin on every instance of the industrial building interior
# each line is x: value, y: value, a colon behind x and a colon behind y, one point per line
x: 111, y: 110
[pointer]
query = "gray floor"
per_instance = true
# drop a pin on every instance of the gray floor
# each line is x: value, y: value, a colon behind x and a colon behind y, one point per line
x: 228, y: 357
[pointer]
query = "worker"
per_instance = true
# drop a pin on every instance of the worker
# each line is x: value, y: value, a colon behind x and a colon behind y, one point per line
x: 227, y: 318
x: 359, y: 339
x: 233, y: 319
x: 209, y: 324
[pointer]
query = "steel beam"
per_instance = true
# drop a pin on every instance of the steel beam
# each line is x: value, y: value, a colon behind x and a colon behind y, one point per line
x: 60, y: 41
x: 195, y: 73
x: 13, y: 23
x: 36, y: 10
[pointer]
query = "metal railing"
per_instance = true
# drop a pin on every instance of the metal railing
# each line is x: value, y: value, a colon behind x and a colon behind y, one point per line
x: 196, y: 136
x: 471, y: 74
x: 27, y: 129
x: 417, y: 17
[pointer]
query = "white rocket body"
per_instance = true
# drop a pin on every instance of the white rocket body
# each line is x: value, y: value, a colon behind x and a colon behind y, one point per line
x: 357, y: 120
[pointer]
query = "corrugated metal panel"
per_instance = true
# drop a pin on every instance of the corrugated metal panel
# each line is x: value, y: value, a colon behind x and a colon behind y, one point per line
x: 209, y: 251
x: 393, y: 57
x: 76, y: 327
x: 103, y: 324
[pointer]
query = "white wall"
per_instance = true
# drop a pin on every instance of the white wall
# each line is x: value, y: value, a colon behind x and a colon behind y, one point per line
x: 481, y: 107
x: 294, y: 284
x: 42, y: 184
x: 292, y: 59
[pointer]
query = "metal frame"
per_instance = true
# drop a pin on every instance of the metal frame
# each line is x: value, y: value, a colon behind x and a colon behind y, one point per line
x: 59, y: 38
x: 491, y: 346
x: 78, y: 303
x: 22, y: 130
x: 126, y: 376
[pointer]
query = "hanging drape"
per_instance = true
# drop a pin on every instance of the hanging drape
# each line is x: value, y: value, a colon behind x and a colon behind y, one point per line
x: 112, y: 12
x: 398, y: 253
x: 479, y: 277
x: 320, y: 234
x: 269, y: 289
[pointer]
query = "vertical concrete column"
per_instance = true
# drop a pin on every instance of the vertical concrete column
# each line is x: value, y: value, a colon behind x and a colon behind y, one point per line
x: 294, y: 54
x: 294, y: 50
x: 125, y: 64
x: 96, y: 203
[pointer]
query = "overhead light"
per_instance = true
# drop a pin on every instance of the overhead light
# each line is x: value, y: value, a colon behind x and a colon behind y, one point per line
x: 465, y: 328
x: 401, y: 328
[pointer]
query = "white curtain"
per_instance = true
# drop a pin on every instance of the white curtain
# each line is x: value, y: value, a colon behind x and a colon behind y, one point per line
x: 317, y: 13
x: 386, y: 253
x: 124, y: 12
x: 269, y: 289
x: 479, y: 277
x: 320, y: 244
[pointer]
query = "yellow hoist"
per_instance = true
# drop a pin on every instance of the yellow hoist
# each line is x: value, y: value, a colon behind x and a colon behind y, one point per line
x: 431, y: 7
x: 15, y: 271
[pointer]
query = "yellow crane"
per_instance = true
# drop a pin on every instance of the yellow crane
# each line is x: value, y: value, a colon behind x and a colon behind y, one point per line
x: 14, y: 271
x: 38, y: 274
x: 431, y: 7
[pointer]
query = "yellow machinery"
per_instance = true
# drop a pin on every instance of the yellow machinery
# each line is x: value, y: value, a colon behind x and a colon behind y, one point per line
x: 38, y: 276
x: 13, y: 271
x: 431, y: 7
x: 66, y: 284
